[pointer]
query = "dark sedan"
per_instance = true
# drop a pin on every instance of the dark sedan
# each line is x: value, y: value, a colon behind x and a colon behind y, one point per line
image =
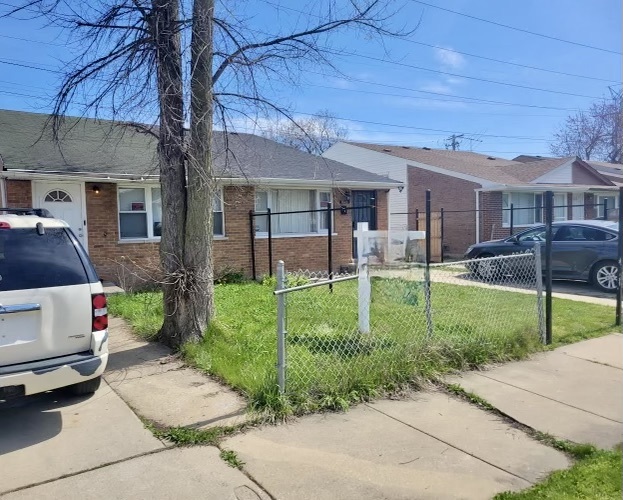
x: 581, y: 250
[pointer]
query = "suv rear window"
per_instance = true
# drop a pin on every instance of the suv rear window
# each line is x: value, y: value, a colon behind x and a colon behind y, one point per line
x: 29, y: 260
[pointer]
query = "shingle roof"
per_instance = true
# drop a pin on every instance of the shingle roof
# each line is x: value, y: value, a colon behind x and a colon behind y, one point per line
x: 530, y: 171
x: 496, y: 170
x: 106, y: 147
x: 486, y: 167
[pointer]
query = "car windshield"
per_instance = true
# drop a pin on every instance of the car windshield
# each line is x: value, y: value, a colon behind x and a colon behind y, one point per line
x: 29, y: 260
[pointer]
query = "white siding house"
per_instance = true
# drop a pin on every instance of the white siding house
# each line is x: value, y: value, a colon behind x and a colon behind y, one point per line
x: 383, y: 165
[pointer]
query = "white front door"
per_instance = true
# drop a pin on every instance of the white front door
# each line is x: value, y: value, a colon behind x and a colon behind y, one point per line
x: 64, y: 201
x: 578, y: 211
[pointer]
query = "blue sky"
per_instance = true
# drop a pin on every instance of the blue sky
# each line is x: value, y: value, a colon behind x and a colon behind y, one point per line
x: 405, y: 91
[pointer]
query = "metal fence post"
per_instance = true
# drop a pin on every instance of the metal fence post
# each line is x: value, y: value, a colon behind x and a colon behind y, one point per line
x: 427, y: 287
x: 270, y: 242
x: 538, y: 269
x: 620, y: 287
x: 549, y: 216
x: 330, y: 243
x: 281, y: 328
x: 512, y: 219
x: 252, y: 236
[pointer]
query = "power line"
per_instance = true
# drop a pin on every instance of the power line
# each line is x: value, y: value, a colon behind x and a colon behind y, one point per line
x: 467, y: 77
x: 475, y: 99
x: 527, y: 66
x: 495, y: 23
x: 460, y: 52
x: 30, y: 40
x: 430, y: 129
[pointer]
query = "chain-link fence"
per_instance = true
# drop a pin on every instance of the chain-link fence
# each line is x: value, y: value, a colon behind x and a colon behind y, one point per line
x: 392, y: 326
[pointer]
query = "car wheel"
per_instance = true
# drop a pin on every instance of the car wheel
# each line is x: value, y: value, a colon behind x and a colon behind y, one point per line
x: 487, y: 270
x: 86, y: 387
x: 606, y: 276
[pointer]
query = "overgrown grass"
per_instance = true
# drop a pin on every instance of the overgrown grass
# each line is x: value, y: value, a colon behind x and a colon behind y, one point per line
x: 597, y: 476
x: 331, y: 365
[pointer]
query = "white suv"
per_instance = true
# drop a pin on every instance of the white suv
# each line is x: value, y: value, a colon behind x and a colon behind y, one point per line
x: 53, y: 316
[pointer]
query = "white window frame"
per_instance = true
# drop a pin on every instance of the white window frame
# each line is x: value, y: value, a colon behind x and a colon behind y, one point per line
x: 149, y: 211
x: 222, y: 212
x: 509, y: 196
x: 599, y: 200
x: 318, y: 215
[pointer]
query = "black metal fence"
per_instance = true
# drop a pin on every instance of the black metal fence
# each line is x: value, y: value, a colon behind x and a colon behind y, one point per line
x: 446, y: 215
x: 548, y: 219
x: 269, y: 214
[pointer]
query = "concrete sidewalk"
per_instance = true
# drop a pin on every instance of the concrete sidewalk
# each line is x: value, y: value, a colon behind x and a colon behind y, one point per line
x: 574, y: 392
x: 427, y: 446
x: 432, y: 445
x: 158, y: 386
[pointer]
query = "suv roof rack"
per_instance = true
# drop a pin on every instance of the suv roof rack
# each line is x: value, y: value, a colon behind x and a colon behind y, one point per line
x: 39, y: 212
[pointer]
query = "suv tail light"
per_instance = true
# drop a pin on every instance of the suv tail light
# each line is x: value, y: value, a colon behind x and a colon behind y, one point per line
x: 100, y: 312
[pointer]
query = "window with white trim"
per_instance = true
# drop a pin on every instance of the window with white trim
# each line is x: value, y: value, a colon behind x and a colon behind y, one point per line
x: 292, y: 200
x: 613, y: 203
x: 140, y: 213
x: 528, y: 208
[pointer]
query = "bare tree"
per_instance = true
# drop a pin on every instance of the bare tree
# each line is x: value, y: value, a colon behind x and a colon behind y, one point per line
x: 594, y: 134
x: 178, y: 62
x: 314, y: 135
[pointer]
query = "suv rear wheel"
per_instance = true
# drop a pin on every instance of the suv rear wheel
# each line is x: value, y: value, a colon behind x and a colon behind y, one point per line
x: 86, y: 387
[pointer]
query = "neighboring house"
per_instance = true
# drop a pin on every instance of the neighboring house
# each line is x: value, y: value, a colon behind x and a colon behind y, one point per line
x: 473, y: 189
x: 104, y: 182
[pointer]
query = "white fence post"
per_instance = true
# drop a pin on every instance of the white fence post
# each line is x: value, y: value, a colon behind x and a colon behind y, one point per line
x: 364, y: 277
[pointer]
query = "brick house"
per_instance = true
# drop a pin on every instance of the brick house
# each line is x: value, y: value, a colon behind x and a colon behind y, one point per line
x: 103, y: 180
x: 476, y: 191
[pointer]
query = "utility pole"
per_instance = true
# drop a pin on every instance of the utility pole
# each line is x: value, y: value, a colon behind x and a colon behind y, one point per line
x: 453, y: 141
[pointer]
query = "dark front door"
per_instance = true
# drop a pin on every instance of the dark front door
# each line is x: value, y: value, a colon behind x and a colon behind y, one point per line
x: 366, y: 211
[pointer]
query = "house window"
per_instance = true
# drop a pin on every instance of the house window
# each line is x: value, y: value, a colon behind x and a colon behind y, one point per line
x: 612, y: 203
x: 217, y: 209
x: 528, y: 208
x: 292, y: 200
x: 57, y: 196
x: 140, y: 213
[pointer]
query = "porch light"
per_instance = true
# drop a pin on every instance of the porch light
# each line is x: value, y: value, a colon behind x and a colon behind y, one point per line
x: 96, y: 189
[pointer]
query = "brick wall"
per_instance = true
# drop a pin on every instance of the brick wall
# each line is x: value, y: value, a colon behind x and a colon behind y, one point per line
x: 109, y: 255
x: 491, y: 217
x: 233, y: 251
x: 448, y: 193
x: 18, y: 194
x: 312, y: 252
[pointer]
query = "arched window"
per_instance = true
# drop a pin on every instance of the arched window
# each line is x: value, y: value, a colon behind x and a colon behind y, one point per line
x: 58, y: 196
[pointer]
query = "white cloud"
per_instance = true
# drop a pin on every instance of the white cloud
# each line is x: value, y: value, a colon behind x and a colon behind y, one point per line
x: 437, y: 87
x: 449, y: 59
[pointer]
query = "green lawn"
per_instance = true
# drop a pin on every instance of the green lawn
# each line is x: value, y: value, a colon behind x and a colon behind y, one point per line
x: 597, y: 477
x: 330, y: 364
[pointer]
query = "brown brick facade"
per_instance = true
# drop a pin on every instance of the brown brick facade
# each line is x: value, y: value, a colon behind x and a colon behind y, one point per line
x: 18, y: 194
x: 232, y: 251
x: 450, y: 194
x: 491, y: 222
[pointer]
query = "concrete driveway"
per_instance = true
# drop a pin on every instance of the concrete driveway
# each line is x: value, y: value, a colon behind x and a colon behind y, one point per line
x: 55, y: 446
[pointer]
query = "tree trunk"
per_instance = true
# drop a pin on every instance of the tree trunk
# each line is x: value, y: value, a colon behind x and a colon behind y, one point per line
x: 171, y: 154
x: 186, y: 245
x: 198, y: 264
